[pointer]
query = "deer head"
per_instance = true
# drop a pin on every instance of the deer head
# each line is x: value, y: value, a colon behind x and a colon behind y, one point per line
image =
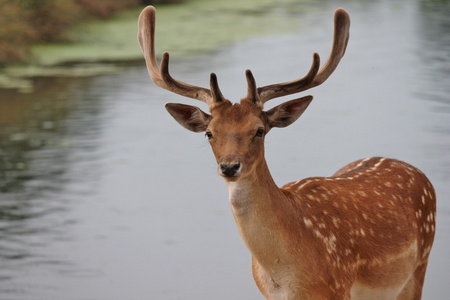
x: 236, y: 131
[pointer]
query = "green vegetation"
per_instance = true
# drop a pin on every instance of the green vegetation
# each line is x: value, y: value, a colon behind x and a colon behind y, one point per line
x: 27, y: 22
x: 184, y: 29
x: 187, y: 28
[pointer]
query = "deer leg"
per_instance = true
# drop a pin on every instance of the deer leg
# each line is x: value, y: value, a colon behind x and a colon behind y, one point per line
x: 413, y: 289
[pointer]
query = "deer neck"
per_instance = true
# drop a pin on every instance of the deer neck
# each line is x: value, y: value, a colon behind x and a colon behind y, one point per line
x: 255, y: 202
x: 253, y: 193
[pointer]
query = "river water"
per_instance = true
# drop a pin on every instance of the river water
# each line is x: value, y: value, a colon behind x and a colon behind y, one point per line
x: 103, y: 196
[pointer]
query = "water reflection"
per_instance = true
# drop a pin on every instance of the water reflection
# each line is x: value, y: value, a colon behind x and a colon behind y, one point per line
x: 433, y: 27
x: 38, y: 133
x: 96, y: 192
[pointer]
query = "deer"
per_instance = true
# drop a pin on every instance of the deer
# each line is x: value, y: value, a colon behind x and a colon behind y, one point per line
x: 365, y: 232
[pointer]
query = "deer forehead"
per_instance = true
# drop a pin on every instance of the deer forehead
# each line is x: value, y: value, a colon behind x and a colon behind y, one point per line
x: 237, y: 118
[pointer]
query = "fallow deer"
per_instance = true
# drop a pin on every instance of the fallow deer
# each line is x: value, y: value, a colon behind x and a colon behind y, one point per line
x: 364, y: 233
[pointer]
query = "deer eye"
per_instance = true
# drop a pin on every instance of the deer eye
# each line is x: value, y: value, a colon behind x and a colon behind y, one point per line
x: 209, y: 135
x: 260, y: 132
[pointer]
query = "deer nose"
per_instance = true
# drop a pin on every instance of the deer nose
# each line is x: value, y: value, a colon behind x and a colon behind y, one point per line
x: 229, y: 170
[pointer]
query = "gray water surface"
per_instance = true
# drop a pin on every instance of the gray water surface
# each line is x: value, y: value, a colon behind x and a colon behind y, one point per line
x: 103, y: 196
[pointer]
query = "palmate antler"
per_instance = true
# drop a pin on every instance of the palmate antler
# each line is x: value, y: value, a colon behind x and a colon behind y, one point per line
x: 315, y: 76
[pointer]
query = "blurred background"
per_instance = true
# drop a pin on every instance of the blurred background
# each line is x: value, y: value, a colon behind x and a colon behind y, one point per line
x: 103, y: 196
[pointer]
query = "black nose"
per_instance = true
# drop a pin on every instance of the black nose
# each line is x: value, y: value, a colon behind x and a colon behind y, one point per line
x: 229, y: 170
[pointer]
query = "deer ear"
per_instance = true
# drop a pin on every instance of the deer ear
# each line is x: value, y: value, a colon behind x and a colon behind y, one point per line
x: 288, y: 112
x: 190, y: 117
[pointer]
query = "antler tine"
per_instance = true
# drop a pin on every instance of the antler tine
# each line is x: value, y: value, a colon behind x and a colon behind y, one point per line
x: 272, y: 91
x: 252, y: 93
x: 215, y: 90
x: 315, y: 76
x: 340, y: 41
x: 162, y: 78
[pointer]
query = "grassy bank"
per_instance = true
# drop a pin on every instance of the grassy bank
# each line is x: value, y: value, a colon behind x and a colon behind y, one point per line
x: 183, y: 29
x: 27, y: 22
x: 186, y: 28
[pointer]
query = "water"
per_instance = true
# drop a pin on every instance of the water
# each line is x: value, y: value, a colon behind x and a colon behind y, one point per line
x: 104, y: 196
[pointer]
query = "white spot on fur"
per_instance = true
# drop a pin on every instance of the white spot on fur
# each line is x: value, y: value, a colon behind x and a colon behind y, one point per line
x: 317, y: 233
x: 308, y: 222
x: 305, y: 183
x: 330, y: 243
x: 362, y: 193
x: 336, y: 222
x: 378, y: 163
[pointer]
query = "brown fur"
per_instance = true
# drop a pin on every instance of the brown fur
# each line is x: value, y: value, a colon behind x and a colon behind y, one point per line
x: 364, y: 233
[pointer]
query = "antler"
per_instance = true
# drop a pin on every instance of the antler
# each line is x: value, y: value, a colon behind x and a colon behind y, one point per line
x: 162, y: 78
x: 314, y: 77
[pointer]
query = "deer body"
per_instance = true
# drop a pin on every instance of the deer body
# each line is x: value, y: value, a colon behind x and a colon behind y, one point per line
x: 335, y: 243
x: 364, y: 233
